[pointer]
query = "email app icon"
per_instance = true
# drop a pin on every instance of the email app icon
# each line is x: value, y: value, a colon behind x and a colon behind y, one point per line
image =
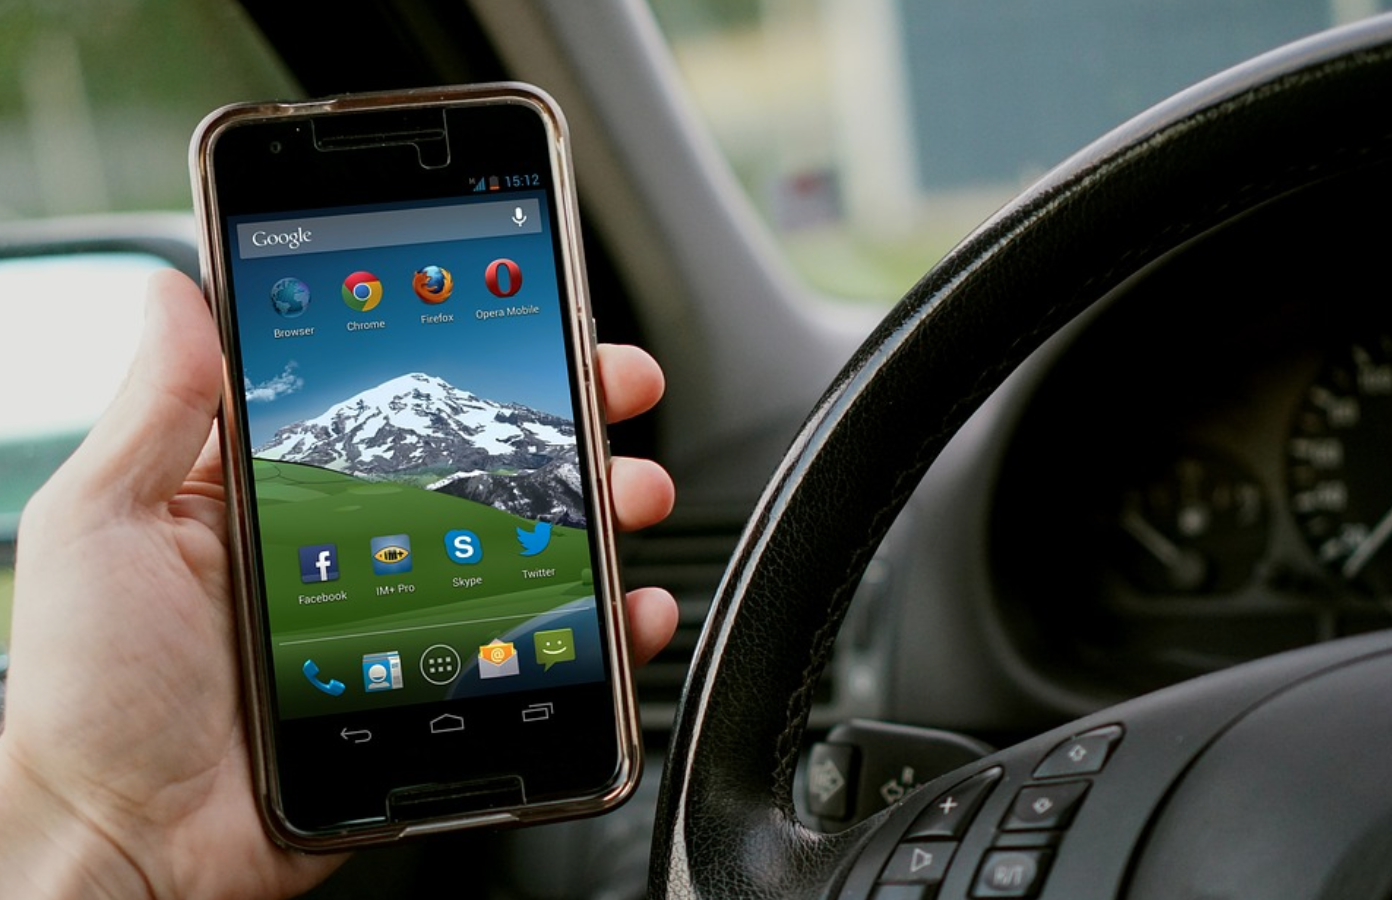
x: 497, y: 659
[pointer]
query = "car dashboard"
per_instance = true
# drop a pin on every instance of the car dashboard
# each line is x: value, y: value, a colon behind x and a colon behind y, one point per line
x: 1189, y: 477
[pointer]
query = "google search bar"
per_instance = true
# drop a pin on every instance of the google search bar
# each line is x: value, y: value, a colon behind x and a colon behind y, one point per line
x: 396, y: 228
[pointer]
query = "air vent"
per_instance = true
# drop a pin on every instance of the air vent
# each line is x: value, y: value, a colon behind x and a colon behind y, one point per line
x: 687, y: 555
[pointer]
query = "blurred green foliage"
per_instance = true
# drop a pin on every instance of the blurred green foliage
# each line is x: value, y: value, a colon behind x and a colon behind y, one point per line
x: 690, y: 18
x: 112, y: 90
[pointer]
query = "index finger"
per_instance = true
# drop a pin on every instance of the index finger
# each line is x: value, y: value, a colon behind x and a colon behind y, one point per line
x: 630, y: 380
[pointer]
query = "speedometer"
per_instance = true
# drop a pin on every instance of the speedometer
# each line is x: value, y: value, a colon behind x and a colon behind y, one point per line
x: 1339, y: 464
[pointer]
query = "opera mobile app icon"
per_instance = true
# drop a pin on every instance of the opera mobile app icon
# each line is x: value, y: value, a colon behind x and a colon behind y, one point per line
x: 503, y: 278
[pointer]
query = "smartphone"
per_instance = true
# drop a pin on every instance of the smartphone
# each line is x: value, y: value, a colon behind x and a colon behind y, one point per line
x: 416, y: 465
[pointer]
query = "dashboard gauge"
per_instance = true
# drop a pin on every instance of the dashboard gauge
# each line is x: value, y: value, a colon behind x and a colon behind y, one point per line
x: 1339, y: 464
x: 1198, y: 525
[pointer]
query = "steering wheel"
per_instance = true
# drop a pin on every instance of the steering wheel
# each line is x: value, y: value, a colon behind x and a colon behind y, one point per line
x: 1268, y: 780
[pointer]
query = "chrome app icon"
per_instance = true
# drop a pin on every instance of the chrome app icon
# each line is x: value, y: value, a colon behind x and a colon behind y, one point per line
x: 362, y: 291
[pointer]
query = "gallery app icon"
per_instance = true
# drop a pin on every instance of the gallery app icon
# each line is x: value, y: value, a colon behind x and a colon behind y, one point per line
x: 463, y: 547
x: 497, y: 659
x: 554, y: 646
x: 391, y: 554
x: 382, y: 671
x: 319, y: 562
x: 503, y: 277
x: 362, y: 291
x: 432, y: 284
x: 536, y: 540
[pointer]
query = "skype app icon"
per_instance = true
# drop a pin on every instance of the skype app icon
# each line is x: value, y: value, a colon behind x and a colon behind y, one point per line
x: 463, y: 547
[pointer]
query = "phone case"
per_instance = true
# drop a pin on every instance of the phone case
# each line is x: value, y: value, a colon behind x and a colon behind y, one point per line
x: 217, y: 278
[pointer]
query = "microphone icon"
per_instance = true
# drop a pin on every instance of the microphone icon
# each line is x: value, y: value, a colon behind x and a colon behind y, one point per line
x: 518, y: 217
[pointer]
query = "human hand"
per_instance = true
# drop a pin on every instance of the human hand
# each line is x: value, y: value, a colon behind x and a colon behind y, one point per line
x: 124, y: 768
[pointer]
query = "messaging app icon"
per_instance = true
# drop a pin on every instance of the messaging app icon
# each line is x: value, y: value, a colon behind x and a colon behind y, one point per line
x: 391, y: 554
x: 536, y: 540
x: 554, y: 646
x: 497, y: 659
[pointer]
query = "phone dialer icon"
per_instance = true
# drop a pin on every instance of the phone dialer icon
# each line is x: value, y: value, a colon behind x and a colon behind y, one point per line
x: 440, y: 664
x: 333, y: 687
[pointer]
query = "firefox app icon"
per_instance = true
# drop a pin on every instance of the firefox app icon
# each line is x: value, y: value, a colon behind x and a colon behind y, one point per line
x: 433, y: 284
x: 362, y: 291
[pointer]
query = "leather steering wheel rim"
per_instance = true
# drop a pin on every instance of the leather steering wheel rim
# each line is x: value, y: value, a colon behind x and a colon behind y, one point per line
x: 1300, y: 115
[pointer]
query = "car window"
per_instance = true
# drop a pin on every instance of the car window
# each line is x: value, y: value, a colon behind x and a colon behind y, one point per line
x: 874, y: 134
x: 98, y: 98
x: 59, y: 375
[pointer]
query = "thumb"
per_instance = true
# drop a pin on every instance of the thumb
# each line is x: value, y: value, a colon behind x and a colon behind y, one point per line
x: 144, y: 445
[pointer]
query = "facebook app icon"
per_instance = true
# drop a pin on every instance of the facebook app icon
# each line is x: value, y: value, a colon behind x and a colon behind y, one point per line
x: 319, y: 562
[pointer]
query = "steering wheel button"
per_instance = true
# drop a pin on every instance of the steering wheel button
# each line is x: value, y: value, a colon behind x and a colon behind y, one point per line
x: 831, y: 774
x: 1083, y: 755
x: 1045, y: 806
x: 919, y: 863
x: 951, y: 812
x: 1011, y: 873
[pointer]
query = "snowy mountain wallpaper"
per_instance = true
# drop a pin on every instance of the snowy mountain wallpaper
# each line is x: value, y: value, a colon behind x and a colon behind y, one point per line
x: 420, y: 430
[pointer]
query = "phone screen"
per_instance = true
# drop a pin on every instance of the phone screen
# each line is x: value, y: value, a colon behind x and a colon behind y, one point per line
x: 421, y: 504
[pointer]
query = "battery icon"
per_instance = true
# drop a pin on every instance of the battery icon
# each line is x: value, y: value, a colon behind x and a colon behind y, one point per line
x: 492, y: 182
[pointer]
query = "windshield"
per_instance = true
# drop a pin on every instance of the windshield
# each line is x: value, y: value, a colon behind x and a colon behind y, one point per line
x: 874, y: 134
x: 98, y: 98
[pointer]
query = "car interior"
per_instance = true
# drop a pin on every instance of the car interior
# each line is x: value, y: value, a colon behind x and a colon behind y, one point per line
x: 1063, y: 577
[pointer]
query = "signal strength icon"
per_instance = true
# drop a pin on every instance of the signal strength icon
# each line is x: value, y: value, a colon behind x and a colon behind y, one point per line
x: 480, y: 185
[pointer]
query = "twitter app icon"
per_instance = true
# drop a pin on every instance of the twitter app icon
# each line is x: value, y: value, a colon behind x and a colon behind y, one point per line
x: 536, y: 540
